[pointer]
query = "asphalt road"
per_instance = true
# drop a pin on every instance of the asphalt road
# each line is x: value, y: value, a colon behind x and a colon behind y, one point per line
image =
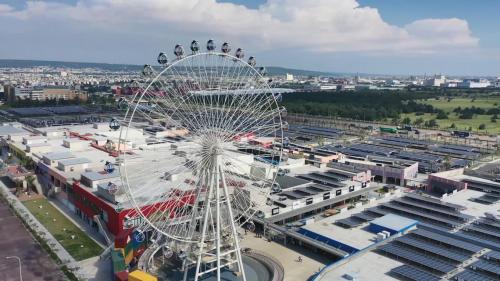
x: 15, y: 240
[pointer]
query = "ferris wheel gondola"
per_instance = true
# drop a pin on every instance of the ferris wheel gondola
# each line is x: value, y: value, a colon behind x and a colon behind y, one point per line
x: 210, y: 45
x: 226, y: 48
x: 162, y: 59
x: 114, y: 124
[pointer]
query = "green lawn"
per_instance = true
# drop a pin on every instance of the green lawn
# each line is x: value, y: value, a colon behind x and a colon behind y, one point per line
x: 62, y: 229
x: 448, y: 106
x: 461, y: 124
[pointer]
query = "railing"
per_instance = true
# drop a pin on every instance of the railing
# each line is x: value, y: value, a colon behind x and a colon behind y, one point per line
x: 102, y: 229
x: 271, y: 263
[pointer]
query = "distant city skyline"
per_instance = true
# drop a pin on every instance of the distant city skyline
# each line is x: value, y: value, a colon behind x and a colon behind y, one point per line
x: 453, y: 37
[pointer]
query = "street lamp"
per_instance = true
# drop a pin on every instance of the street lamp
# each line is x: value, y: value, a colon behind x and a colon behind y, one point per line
x: 18, y: 260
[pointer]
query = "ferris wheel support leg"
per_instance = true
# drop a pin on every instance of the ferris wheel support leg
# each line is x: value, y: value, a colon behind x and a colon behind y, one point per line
x: 233, y: 227
x: 217, y: 214
x: 186, y: 270
x: 204, y: 226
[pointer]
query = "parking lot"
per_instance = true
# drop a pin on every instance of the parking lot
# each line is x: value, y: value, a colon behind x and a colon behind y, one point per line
x: 15, y: 240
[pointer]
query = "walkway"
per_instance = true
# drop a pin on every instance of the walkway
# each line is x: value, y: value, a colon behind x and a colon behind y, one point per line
x: 15, y: 240
x: 34, y: 224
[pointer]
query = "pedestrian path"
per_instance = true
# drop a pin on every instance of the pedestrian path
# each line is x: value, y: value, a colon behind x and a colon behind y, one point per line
x: 36, y: 226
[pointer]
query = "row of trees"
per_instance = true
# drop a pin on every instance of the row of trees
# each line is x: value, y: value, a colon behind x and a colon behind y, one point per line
x: 49, y: 102
x: 369, y: 106
x: 376, y: 105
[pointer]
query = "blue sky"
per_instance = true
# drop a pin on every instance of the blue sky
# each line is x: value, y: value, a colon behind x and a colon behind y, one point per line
x: 457, y: 37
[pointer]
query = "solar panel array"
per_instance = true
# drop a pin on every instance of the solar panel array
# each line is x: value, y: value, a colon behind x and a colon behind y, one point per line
x: 392, y: 143
x: 486, y: 199
x: 420, y: 157
x: 487, y: 266
x: 49, y: 110
x: 434, y: 264
x: 316, y: 131
x: 321, y: 179
x: 478, y: 238
x: 373, y: 149
x: 435, y: 202
x: 438, y: 211
x: 461, y: 147
x: 408, y: 141
x: 470, y: 275
x: 447, y: 240
x: 349, y: 222
x: 494, y: 235
x: 35, y: 111
x: 492, y: 191
x: 457, y: 153
x: 412, y: 273
x: 421, y: 215
x: 492, y: 255
x: 432, y: 248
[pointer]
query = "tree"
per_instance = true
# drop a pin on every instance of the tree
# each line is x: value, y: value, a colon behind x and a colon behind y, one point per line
x: 442, y: 115
x: 407, y: 120
x: 321, y: 141
x: 482, y: 127
x: 453, y: 126
x: 19, y: 186
x: 494, y: 118
x: 419, y: 121
x: 432, y: 123
x: 447, y: 162
x: 30, y: 182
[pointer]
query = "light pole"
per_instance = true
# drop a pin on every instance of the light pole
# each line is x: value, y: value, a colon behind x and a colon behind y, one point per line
x: 20, y: 270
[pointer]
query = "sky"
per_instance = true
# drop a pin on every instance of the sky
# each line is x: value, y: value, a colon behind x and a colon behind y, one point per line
x: 452, y: 37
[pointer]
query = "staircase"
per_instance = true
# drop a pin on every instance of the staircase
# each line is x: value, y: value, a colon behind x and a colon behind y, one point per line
x: 103, y: 230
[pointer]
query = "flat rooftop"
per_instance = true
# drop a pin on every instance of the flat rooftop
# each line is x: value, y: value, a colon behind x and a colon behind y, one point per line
x: 464, y: 197
x: 58, y: 155
x: 393, y: 222
x: 365, y: 266
x: 357, y: 237
x: 75, y: 161
x: 10, y: 130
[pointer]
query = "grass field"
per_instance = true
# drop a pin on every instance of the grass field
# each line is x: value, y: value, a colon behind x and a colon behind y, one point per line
x: 462, y: 124
x: 62, y: 229
x: 448, y: 106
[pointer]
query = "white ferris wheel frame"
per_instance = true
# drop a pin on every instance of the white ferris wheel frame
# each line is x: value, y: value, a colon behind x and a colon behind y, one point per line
x: 131, y: 112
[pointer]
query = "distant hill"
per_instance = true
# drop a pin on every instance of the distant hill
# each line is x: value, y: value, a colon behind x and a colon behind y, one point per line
x: 65, y: 64
x: 271, y: 70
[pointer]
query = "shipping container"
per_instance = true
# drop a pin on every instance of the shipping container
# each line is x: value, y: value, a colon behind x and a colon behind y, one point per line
x: 388, y: 130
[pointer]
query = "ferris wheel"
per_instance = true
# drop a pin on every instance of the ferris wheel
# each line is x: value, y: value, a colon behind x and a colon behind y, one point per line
x: 213, y: 130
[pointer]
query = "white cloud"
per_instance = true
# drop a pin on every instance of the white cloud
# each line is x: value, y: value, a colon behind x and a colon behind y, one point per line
x: 314, y: 25
x: 4, y: 9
